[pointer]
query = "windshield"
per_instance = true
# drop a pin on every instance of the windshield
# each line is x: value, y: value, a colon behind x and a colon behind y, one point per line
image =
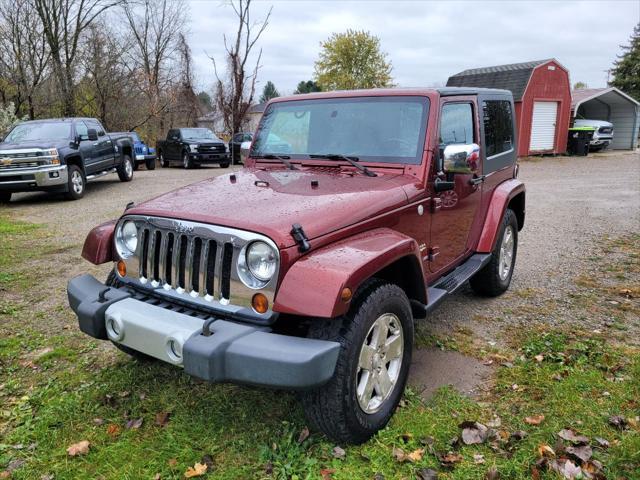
x: 375, y: 129
x: 39, y: 131
x: 198, y: 133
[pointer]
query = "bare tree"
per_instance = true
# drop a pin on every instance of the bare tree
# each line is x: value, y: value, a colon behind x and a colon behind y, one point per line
x: 23, y: 52
x: 63, y: 23
x: 156, y: 27
x: 236, y: 89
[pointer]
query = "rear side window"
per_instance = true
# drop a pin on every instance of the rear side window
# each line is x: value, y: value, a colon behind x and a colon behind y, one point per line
x: 498, y: 126
x: 456, y: 124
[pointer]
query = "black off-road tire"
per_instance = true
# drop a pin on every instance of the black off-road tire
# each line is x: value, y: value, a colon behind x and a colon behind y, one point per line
x: 487, y: 282
x: 5, y: 197
x: 112, y: 281
x: 75, y: 190
x: 150, y: 164
x: 125, y: 170
x: 224, y: 164
x: 187, y: 163
x: 164, y: 163
x: 333, y: 407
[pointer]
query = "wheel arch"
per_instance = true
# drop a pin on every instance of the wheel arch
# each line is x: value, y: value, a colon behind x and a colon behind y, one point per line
x: 313, y: 285
x: 75, y: 160
x: 506, y: 195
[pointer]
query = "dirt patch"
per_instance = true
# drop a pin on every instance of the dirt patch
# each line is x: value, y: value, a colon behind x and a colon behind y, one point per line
x: 433, y: 368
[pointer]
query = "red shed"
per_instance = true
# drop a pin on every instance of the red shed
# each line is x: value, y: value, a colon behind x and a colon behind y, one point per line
x: 542, y: 96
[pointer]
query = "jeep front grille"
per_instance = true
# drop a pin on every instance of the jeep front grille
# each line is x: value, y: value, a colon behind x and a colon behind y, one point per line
x: 196, y: 261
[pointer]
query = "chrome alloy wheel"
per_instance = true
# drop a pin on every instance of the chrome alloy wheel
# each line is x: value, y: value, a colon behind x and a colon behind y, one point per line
x: 506, y: 253
x: 77, y: 182
x: 128, y: 168
x: 380, y: 362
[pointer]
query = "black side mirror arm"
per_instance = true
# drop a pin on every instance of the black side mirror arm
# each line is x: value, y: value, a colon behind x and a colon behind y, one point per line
x: 443, y: 185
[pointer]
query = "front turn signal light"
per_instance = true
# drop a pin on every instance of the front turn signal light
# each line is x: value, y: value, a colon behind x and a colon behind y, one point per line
x: 260, y: 303
x: 122, y: 268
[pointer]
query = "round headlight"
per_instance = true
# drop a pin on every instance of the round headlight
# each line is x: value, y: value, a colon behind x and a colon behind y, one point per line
x: 127, y: 238
x: 262, y: 261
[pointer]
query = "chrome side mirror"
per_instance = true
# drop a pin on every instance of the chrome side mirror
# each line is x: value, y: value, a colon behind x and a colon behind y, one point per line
x: 460, y: 158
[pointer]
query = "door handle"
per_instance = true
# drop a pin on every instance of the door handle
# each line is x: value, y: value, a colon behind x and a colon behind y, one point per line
x: 477, y: 180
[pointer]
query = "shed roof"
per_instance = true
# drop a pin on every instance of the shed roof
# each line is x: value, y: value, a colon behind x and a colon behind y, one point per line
x: 513, y: 77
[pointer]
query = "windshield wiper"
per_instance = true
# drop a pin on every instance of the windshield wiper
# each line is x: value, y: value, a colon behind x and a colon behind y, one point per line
x: 352, y: 160
x: 283, y: 158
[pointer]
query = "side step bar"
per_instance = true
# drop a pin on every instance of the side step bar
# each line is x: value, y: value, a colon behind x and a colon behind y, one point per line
x: 101, y: 174
x: 452, y: 281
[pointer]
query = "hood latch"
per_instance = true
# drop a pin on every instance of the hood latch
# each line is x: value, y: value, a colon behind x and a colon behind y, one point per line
x: 300, y: 237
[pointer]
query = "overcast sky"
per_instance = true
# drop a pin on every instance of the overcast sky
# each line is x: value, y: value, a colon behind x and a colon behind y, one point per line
x: 425, y: 41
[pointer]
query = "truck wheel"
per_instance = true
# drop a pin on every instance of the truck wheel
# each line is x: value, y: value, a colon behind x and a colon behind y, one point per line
x: 163, y: 162
x: 112, y: 281
x: 76, y: 183
x: 150, y: 164
x: 125, y: 170
x: 495, y: 277
x: 376, y: 337
x: 224, y: 165
x: 5, y: 197
x: 186, y: 161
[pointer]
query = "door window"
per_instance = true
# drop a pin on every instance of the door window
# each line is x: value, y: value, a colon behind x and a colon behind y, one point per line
x: 456, y: 124
x: 82, y: 131
x: 498, y: 126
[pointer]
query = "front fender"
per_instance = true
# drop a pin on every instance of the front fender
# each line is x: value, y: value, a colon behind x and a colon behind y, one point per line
x: 313, y: 285
x: 97, y: 246
x: 502, y: 195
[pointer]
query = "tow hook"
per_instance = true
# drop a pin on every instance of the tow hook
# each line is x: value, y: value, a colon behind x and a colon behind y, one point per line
x: 206, y: 330
x: 101, y: 296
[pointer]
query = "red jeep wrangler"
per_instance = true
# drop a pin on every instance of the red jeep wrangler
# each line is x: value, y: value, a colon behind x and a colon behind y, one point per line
x: 356, y: 214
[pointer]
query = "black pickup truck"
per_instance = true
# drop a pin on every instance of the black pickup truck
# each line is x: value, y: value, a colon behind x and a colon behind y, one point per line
x: 192, y: 147
x: 61, y: 155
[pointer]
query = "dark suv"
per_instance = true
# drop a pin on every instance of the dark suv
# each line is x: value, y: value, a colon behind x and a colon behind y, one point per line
x: 192, y: 147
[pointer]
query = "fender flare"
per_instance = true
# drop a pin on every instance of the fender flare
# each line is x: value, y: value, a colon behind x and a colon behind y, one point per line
x: 502, y: 196
x: 97, y: 247
x: 313, y: 285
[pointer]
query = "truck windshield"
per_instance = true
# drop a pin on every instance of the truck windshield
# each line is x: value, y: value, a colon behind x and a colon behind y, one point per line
x: 198, y: 133
x: 39, y: 131
x: 374, y: 129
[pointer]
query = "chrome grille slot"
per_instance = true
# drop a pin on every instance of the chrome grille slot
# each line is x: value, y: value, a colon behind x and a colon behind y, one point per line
x: 194, y: 262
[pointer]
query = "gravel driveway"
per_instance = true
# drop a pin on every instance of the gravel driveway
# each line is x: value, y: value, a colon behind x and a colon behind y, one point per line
x: 571, y: 204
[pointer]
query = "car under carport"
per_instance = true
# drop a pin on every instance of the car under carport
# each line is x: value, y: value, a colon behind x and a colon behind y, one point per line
x: 612, y: 105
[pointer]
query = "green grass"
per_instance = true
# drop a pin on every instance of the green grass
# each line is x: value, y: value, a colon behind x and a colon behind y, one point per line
x: 58, y: 389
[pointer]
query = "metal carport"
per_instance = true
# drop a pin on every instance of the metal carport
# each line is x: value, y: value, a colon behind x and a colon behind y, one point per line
x: 611, y: 105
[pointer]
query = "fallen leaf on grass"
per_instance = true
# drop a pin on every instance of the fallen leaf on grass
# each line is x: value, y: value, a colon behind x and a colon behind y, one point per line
x: 602, y: 443
x: 326, y: 473
x: 539, y: 358
x: 449, y: 459
x: 570, y: 436
x: 339, y: 453
x: 113, y: 430
x: 198, y: 470
x: 618, y: 421
x: 582, y: 453
x: 473, y: 433
x: 535, y: 420
x: 162, y: 418
x: 304, y: 434
x: 412, y: 457
x: 98, y: 421
x: 5, y: 474
x: 492, y: 474
x: 80, y: 448
x: 546, y: 451
x: 426, y: 474
x: 566, y: 468
x: 134, y: 424
x: 478, y: 459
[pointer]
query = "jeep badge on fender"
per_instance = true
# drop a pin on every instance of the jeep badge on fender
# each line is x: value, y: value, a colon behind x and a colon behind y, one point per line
x: 361, y: 211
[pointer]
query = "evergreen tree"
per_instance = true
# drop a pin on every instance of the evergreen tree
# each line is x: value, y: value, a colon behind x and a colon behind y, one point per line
x: 626, y: 69
x: 307, y: 87
x: 270, y: 91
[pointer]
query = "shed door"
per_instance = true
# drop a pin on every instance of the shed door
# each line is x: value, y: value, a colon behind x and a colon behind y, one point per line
x: 543, y: 126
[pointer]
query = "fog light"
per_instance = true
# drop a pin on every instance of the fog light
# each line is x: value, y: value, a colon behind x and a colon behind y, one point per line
x: 122, y: 268
x: 260, y: 303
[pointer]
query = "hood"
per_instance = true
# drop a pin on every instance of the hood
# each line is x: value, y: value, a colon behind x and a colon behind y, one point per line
x: 270, y: 201
x: 203, y: 140
x: 592, y: 123
x: 44, y: 144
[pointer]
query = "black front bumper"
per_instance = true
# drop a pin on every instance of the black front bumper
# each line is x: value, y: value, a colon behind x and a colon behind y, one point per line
x: 198, y: 157
x: 234, y: 352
